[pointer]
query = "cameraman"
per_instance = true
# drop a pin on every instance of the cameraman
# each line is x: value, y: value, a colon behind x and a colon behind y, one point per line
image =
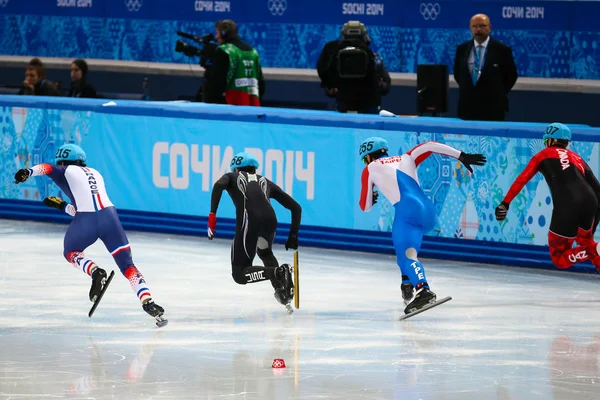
x: 236, y: 76
x: 351, y: 73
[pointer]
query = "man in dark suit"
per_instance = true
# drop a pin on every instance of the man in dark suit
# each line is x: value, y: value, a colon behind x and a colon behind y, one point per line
x: 485, y: 71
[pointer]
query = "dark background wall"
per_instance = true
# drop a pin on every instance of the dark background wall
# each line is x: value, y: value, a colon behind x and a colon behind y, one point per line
x: 525, y: 105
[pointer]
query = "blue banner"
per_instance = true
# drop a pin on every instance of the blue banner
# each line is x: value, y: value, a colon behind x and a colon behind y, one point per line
x: 375, y: 12
x: 175, y: 164
x: 527, y: 15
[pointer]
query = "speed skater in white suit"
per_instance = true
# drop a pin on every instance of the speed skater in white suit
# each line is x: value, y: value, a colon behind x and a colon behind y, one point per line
x: 396, y: 178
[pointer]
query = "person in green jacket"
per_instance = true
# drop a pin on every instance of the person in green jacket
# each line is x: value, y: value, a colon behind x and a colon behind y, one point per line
x: 237, y: 77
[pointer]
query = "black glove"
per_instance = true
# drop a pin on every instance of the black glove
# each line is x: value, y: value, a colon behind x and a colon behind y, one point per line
x: 375, y: 197
x: 471, y: 159
x: 292, y: 242
x: 21, y: 175
x: 501, y: 211
x: 55, y: 202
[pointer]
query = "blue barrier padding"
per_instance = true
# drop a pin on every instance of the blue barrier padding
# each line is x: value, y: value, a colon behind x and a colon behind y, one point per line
x: 297, y: 117
x: 474, y: 251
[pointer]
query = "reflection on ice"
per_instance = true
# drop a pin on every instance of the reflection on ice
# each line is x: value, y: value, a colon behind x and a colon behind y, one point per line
x: 508, y: 333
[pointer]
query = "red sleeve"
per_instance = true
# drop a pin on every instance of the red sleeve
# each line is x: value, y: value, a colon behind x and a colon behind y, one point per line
x: 530, y: 170
x: 40, y: 169
x: 366, y: 192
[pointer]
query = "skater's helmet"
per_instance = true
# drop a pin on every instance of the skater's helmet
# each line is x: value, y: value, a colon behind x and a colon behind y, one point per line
x: 69, y: 152
x: 372, y: 145
x: 557, y: 131
x: 243, y: 159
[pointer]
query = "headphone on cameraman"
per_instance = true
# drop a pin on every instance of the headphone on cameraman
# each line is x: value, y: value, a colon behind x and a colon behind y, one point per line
x: 355, y: 29
x: 222, y: 30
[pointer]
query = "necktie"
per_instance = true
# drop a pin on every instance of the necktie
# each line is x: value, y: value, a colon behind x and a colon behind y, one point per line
x: 476, y: 64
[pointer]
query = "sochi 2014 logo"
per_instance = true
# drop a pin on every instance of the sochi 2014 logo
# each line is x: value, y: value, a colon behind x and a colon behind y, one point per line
x: 134, y: 5
x: 4, y: 3
x: 277, y: 7
x: 430, y: 11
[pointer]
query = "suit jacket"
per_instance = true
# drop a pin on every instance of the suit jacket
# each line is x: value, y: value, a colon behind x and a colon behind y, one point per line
x: 487, y: 99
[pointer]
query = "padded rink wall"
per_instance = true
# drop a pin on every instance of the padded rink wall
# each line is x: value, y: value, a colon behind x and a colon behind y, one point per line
x: 160, y: 160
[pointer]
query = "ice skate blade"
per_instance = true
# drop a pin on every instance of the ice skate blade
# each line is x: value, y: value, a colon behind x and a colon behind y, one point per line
x: 425, y: 308
x: 160, y: 322
x: 98, y: 298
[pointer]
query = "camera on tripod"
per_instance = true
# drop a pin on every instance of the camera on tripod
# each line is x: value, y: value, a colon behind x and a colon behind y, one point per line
x: 205, y: 52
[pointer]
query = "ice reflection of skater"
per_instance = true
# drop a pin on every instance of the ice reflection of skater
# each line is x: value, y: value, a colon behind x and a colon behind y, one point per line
x: 96, y: 382
x: 574, y: 368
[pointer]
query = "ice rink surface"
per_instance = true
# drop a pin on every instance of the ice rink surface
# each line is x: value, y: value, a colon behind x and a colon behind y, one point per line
x: 508, y: 333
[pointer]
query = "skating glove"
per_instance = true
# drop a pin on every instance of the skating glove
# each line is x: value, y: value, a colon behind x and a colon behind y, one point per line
x: 55, y: 202
x: 21, y: 175
x: 501, y: 211
x: 212, y: 225
x: 375, y: 197
x: 471, y: 159
x: 292, y: 242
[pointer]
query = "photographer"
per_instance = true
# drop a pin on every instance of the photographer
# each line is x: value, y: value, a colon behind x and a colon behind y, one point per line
x: 206, y: 54
x: 351, y: 73
x: 236, y: 76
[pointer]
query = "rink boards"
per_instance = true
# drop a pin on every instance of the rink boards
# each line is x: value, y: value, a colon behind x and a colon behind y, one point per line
x: 160, y: 160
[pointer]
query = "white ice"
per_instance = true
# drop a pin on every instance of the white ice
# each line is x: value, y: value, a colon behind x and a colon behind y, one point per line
x: 508, y: 333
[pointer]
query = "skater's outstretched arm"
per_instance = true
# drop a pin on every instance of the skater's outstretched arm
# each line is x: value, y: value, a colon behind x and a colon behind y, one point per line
x: 38, y: 170
x: 530, y: 170
x: 215, y: 198
x: 424, y: 150
x: 275, y: 192
x: 41, y: 169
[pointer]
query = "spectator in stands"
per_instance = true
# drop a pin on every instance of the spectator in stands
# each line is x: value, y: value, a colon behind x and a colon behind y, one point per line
x: 35, y: 82
x: 485, y: 71
x: 80, y: 87
x: 242, y: 86
x: 36, y: 62
x: 352, y: 73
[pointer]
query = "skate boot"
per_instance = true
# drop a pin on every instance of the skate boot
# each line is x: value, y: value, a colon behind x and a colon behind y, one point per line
x: 423, y: 297
x: 284, y: 294
x: 407, y: 292
x: 98, y: 281
x: 156, y: 311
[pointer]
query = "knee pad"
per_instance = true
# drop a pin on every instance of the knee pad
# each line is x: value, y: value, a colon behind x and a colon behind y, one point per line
x: 411, y: 254
x: 267, y: 257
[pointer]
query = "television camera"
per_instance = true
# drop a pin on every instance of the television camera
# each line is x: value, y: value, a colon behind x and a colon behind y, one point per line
x: 205, y: 52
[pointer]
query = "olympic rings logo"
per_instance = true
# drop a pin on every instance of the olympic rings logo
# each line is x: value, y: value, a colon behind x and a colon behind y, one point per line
x: 430, y: 11
x: 134, y: 5
x: 277, y: 7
